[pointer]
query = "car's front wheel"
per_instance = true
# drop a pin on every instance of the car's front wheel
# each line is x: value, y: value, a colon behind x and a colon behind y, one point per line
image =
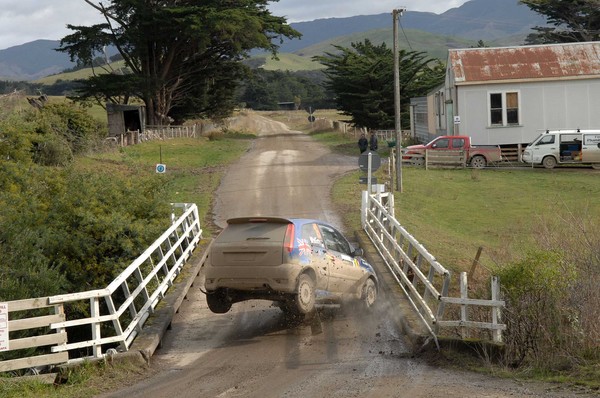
x: 218, y: 302
x: 369, y: 293
x: 305, y: 294
x: 549, y: 162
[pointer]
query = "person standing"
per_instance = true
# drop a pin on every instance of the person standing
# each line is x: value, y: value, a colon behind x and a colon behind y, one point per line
x: 363, y: 143
x: 373, y: 141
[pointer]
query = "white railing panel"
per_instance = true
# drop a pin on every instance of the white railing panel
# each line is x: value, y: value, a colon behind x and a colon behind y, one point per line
x: 120, y: 326
x: 404, y: 255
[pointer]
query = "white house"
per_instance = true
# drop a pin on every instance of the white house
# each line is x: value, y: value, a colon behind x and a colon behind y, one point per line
x: 507, y: 96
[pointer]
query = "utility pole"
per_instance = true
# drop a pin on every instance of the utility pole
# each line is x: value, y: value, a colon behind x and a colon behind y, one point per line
x: 397, y: 13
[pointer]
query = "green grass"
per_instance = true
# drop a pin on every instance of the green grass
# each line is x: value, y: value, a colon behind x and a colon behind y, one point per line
x: 20, y: 103
x: 194, y: 166
x: 435, y: 46
x: 290, y: 62
x: 453, y: 212
x: 87, y: 380
x: 81, y: 73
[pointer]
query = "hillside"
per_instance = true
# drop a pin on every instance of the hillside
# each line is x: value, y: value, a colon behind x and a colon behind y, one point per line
x: 486, y: 20
x: 435, y: 45
x: 81, y: 73
x: 496, y: 22
x: 32, y: 60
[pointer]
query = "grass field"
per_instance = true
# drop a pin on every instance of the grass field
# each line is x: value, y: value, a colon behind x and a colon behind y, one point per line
x: 19, y: 103
x: 454, y: 212
x: 194, y: 166
x: 81, y: 73
x: 290, y: 62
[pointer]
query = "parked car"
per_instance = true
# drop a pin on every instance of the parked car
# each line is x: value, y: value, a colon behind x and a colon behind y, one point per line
x: 476, y: 156
x: 562, y: 147
x: 298, y: 263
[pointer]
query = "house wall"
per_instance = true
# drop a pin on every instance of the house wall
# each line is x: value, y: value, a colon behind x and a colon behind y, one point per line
x: 420, y: 118
x: 557, y: 104
x: 429, y: 116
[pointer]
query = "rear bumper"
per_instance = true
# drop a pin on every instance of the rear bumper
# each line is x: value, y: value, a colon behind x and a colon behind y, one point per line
x: 260, y: 280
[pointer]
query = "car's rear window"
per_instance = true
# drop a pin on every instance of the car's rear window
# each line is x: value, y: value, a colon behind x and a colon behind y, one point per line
x: 261, y: 231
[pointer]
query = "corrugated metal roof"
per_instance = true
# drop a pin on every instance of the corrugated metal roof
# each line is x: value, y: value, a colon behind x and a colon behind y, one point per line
x: 553, y: 61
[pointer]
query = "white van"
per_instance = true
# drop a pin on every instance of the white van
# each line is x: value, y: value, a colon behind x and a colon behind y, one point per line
x: 564, y: 147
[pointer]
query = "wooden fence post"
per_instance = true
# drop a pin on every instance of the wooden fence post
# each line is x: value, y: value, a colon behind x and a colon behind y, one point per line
x: 475, y: 262
x: 496, y: 311
x: 464, y: 309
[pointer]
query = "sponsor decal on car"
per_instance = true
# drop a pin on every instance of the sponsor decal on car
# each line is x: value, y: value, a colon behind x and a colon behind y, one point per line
x: 304, y: 248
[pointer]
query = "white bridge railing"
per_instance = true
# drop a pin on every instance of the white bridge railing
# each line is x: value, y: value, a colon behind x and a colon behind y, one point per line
x: 117, y: 313
x: 424, y: 281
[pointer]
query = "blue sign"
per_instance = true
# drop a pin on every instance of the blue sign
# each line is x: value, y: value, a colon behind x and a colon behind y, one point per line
x: 161, y: 168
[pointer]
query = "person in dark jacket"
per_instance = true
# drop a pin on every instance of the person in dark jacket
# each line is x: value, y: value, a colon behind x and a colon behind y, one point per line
x: 363, y: 143
x: 373, y: 141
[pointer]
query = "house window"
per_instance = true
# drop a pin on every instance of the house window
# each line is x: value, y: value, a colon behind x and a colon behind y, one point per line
x: 512, y: 108
x: 439, y: 103
x: 504, y: 108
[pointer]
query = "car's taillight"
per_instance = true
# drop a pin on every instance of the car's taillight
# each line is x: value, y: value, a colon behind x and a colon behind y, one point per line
x: 288, y: 242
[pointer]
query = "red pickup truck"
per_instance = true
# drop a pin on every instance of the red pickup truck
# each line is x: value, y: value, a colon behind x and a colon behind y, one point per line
x: 477, y: 156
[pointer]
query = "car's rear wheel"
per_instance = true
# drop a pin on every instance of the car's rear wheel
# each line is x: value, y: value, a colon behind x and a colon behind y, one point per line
x: 369, y: 293
x: 218, y: 302
x: 305, y: 295
x: 417, y: 161
x: 478, y: 162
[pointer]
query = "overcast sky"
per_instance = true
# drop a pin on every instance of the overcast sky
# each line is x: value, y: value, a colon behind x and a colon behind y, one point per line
x: 22, y: 21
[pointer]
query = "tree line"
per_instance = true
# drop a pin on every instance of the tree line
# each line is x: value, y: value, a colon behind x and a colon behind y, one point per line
x: 190, y: 59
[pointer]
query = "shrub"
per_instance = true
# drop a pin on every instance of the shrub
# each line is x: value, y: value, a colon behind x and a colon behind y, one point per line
x: 15, y: 139
x: 83, y: 227
x: 216, y: 135
x: 552, y: 297
x: 535, y: 290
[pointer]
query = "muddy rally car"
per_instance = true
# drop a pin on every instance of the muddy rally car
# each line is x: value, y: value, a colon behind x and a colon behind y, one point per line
x: 299, y: 263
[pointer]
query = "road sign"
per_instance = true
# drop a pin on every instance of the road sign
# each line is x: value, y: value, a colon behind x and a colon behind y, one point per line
x: 4, y: 327
x: 311, y: 118
x: 161, y: 168
x: 363, y: 161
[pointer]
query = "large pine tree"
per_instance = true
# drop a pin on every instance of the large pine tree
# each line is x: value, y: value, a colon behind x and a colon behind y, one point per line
x: 181, y: 55
x: 571, y: 20
x: 362, y: 78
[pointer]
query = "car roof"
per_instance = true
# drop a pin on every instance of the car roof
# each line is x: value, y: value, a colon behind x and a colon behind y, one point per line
x: 269, y: 219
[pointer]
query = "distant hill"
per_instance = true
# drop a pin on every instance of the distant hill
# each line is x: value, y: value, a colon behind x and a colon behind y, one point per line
x: 486, y: 20
x: 496, y: 22
x: 435, y: 45
x: 33, y: 60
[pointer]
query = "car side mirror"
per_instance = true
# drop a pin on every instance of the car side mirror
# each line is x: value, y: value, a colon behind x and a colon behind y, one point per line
x: 358, y: 252
x: 434, y: 146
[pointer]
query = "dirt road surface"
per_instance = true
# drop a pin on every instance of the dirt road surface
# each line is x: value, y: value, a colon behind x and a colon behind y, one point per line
x: 252, y: 351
